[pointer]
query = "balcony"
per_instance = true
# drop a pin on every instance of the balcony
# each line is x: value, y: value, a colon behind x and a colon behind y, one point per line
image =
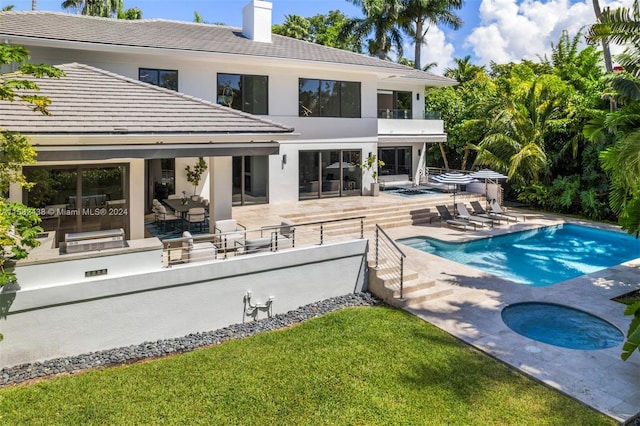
x: 402, y: 125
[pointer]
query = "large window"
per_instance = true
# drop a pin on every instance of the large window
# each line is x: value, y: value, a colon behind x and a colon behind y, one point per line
x: 328, y: 98
x: 329, y: 174
x: 248, y: 93
x: 397, y: 161
x: 395, y: 104
x: 163, y: 78
x: 79, y: 198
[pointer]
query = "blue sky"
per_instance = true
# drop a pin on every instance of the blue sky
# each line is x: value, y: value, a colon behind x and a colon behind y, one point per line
x: 493, y: 30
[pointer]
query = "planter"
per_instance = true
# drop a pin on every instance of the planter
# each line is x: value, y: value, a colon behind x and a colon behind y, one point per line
x: 375, y: 189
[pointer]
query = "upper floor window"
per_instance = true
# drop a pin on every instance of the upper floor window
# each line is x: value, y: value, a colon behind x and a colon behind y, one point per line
x: 163, y: 78
x: 395, y: 104
x: 328, y: 98
x: 248, y: 93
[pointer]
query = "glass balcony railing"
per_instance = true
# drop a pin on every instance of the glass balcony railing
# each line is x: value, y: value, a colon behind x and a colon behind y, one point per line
x: 406, y: 114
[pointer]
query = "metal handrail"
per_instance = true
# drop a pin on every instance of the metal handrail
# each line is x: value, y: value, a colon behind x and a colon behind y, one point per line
x: 397, y: 250
x: 174, y: 244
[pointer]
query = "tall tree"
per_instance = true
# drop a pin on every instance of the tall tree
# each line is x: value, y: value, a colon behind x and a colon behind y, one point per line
x: 515, y: 142
x: 622, y: 26
x: 102, y: 8
x: 294, y: 26
x: 18, y: 225
x: 605, y: 43
x: 381, y: 21
x: 464, y: 70
x: 417, y: 16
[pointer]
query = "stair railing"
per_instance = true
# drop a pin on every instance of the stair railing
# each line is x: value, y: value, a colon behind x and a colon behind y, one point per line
x: 387, y: 251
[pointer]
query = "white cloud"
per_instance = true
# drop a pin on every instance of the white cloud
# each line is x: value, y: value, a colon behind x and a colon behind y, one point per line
x: 437, y: 50
x: 510, y: 30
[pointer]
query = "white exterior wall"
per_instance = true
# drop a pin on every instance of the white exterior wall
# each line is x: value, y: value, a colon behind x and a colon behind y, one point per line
x: 197, y: 76
x: 92, y: 315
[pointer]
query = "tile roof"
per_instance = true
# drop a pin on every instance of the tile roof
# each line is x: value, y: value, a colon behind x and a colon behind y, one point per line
x: 186, y: 36
x: 89, y: 100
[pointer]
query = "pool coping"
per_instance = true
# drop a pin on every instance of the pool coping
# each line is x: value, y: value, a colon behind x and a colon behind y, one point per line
x: 472, y: 313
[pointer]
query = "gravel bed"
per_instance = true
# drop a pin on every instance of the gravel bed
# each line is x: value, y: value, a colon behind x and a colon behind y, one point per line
x: 159, y: 348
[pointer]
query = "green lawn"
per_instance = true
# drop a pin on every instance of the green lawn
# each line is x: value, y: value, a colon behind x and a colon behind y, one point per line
x: 358, y: 366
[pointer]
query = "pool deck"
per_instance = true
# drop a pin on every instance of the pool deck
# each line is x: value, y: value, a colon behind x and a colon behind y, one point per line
x: 472, y: 312
x: 598, y: 378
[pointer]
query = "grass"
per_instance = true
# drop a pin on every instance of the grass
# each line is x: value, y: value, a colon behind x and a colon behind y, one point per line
x: 358, y: 366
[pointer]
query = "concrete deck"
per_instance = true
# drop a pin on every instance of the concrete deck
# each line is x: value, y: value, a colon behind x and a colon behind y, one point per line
x: 598, y: 378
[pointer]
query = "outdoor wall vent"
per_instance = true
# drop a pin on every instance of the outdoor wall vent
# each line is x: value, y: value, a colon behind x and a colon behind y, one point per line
x: 96, y: 273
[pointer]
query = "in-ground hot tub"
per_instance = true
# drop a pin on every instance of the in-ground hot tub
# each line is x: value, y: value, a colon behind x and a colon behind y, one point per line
x: 562, y: 326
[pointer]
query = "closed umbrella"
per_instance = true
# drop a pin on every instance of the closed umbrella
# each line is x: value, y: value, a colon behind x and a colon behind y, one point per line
x: 454, y: 178
x: 486, y: 175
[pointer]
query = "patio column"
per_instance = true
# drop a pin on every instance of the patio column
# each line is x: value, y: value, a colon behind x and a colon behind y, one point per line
x: 212, y: 196
x: 220, y: 175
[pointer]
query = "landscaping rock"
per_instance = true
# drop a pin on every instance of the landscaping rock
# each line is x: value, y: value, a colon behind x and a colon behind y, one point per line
x: 146, y: 350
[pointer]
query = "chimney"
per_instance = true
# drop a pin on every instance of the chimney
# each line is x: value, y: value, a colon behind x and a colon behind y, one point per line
x: 256, y: 21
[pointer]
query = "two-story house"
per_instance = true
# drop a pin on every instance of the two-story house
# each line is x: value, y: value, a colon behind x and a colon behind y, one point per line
x: 283, y: 119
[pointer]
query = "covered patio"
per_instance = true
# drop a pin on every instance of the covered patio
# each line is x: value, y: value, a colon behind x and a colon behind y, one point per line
x: 93, y: 149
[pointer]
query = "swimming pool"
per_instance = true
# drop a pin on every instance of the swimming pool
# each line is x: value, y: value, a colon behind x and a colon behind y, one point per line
x: 410, y: 192
x: 538, y: 257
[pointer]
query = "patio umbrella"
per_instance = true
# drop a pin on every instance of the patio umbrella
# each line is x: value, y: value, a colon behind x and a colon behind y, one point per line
x: 453, y: 178
x: 487, y: 174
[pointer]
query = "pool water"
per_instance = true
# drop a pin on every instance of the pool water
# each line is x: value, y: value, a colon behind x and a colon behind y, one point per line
x: 561, y: 326
x: 538, y: 257
x: 410, y: 192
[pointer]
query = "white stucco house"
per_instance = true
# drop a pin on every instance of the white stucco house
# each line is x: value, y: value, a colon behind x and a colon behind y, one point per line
x: 276, y: 119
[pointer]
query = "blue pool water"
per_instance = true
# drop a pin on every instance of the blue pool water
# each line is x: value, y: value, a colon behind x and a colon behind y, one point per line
x: 561, y: 326
x: 410, y: 192
x: 538, y: 257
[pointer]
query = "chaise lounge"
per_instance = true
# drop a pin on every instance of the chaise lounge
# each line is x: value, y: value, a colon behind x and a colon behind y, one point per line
x: 446, y: 215
x: 496, y: 209
x: 463, y: 213
x: 479, y: 211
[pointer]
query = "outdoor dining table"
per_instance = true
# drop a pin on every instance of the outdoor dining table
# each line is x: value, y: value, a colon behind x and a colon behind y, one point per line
x: 179, y: 207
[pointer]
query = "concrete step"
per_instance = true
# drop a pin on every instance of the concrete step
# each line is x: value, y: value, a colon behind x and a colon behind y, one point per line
x: 422, y: 297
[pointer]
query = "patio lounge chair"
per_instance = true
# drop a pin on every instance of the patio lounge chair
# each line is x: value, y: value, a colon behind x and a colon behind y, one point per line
x: 463, y: 213
x: 495, y: 208
x: 479, y: 211
x: 231, y: 231
x: 445, y: 215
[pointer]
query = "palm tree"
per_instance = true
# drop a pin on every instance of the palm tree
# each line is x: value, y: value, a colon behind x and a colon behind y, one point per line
x: 380, y: 20
x: 417, y: 16
x: 622, y: 26
x: 7, y: 8
x: 605, y: 43
x: 294, y: 26
x: 103, y: 8
x: 464, y: 70
x: 515, y: 142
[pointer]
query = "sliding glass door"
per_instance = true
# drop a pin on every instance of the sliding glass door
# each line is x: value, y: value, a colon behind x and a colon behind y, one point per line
x: 79, y: 198
x: 326, y: 174
x: 250, y: 180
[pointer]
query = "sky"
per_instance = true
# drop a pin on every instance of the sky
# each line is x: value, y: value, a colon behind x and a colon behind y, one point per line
x: 493, y: 30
